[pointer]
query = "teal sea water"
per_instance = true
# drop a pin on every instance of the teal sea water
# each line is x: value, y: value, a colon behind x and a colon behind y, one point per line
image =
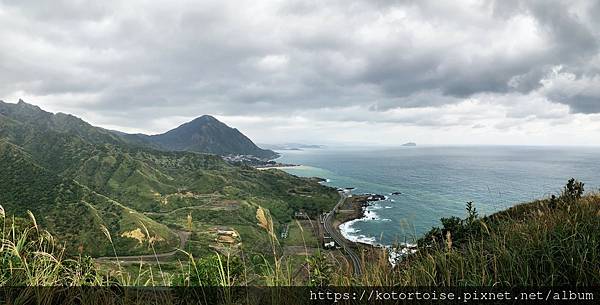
x: 437, y: 181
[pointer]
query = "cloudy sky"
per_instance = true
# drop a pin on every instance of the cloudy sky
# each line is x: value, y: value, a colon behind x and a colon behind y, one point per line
x: 373, y: 71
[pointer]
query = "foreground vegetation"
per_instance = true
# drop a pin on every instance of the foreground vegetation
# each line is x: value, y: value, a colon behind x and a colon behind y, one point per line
x: 554, y: 241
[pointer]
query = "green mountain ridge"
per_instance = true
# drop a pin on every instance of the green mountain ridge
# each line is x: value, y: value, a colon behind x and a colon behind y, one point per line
x: 205, y: 134
x: 78, y: 178
x: 30, y: 114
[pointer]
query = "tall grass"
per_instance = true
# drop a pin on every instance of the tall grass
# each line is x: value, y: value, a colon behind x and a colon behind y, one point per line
x: 30, y: 256
x: 546, y: 242
x: 534, y: 244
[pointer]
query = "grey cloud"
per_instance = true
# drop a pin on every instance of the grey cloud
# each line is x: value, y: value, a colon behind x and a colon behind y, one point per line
x: 585, y: 104
x: 571, y: 43
x: 530, y: 80
x: 153, y: 59
x: 580, y: 92
x: 59, y: 10
x: 573, y: 38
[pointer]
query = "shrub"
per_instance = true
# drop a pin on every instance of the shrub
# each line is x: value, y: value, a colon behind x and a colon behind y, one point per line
x: 461, y: 230
x: 573, y: 190
x: 321, y: 271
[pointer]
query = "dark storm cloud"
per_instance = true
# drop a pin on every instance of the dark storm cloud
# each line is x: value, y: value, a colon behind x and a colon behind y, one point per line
x: 238, y: 58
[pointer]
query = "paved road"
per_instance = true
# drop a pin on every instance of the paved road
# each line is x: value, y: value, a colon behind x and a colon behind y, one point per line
x: 183, y: 237
x: 340, y: 240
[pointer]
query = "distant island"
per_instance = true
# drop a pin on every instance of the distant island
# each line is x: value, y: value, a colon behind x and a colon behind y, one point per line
x: 411, y: 144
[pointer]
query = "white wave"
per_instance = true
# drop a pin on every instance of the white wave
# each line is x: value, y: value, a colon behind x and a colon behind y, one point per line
x: 364, y: 239
x: 369, y: 215
x: 395, y: 254
x: 346, y: 228
x: 350, y: 233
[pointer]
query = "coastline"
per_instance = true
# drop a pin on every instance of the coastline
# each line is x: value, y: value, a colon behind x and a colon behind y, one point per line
x: 278, y: 166
x: 368, y: 245
x: 358, y: 206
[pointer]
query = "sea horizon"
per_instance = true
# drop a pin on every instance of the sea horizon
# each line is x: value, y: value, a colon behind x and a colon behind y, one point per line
x: 367, y: 146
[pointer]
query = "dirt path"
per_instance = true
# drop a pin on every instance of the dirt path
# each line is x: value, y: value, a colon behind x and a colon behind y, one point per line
x: 149, y: 258
x: 214, y: 208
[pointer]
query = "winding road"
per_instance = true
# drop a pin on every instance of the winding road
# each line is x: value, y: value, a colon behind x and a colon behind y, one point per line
x: 338, y: 238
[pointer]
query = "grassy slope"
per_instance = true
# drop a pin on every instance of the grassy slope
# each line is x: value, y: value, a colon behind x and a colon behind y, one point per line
x: 71, y: 211
x: 150, y: 181
x: 537, y: 243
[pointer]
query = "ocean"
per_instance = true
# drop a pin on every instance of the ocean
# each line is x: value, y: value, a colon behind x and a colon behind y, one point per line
x: 437, y: 181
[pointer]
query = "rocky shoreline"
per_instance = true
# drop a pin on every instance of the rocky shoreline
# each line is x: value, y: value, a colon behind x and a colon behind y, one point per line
x: 358, y: 204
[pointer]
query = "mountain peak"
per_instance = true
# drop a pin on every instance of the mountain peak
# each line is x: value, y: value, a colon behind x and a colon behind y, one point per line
x: 21, y: 102
x: 68, y: 123
x: 206, y: 118
x: 24, y: 105
x: 209, y: 135
x: 23, y: 109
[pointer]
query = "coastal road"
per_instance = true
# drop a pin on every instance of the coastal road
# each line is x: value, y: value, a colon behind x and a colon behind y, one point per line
x: 338, y: 238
